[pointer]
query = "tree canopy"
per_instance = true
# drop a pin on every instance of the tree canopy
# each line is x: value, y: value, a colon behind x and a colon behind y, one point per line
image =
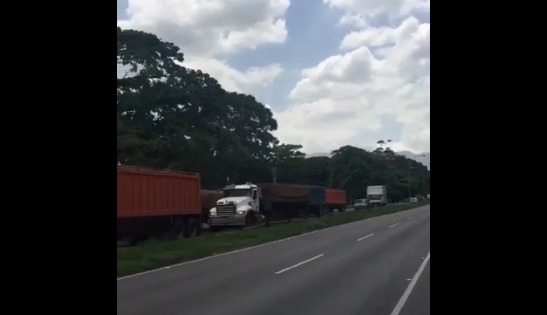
x: 169, y: 116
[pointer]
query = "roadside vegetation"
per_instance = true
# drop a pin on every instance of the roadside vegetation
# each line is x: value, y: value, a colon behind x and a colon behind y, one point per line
x: 156, y: 254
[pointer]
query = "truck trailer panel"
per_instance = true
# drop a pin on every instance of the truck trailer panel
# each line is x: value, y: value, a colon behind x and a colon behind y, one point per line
x: 336, y: 197
x: 286, y: 201
x: 318, y: 195
x: 314, y: 195
x: 143, y: 192
x: 284, y: 193
x: 209, y: 199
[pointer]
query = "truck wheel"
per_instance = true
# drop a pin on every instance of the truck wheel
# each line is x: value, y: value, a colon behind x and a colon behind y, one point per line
x: 176, y: 230
x: 323, y: 210
x: 191, y: 228
x: 250, y: 219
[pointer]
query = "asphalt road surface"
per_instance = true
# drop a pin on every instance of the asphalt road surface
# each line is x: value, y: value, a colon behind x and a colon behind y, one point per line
x: 378, y: 266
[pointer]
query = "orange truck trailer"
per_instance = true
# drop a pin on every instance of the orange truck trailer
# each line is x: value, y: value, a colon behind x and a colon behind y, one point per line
x: 336, y: 199
x: 154, y: 202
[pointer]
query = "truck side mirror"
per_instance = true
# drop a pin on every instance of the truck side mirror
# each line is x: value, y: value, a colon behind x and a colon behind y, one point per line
x: 254, y: 194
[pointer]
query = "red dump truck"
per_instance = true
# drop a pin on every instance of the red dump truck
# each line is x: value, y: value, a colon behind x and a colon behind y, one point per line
x: 336, y: 199
x: 154, y: 202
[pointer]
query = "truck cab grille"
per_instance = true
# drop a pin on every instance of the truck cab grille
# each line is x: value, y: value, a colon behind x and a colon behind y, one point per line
x: 226, y: 209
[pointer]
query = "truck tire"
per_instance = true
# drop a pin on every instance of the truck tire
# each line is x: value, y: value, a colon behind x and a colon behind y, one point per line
x: 250, y: 219
x: 191, y: 228
x: 323, y: 210
x: 176, y: 230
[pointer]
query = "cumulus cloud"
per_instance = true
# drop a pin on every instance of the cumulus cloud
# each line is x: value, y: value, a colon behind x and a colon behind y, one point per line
x: 359, y: 12
x: 207, y: 30
x: 384, y: 73
x: 234, y: 80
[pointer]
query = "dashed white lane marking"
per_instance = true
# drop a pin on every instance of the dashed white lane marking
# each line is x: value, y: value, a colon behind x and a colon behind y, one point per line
x: 394, y: 225
x: 411, y: 218
x: 365, y: 237
x: 299, y: 264
x: 411, y: 285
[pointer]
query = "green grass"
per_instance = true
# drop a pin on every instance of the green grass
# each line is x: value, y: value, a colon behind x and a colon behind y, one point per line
x: 155, y: 254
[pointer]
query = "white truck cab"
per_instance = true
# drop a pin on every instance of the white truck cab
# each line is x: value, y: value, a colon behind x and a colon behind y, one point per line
x: 239, y: 207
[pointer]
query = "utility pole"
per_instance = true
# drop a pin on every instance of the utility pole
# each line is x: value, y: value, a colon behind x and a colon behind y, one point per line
x: 330, y: 174
x: 274, y: 175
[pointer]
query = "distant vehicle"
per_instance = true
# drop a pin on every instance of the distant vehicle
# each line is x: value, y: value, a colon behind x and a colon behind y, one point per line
x: 377, y: 195
x: 428, y: 196
x: 361, y: 204
x: 413, y: 199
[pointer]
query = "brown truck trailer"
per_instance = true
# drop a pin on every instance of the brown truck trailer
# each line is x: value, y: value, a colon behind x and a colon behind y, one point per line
x: 209, y: 200
x: 336, y: 199
x: 154, y: 202
x: 288, y: 201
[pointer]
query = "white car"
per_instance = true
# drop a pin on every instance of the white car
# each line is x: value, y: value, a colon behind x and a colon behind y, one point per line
x: 414, y: 199
x: 361, y: 204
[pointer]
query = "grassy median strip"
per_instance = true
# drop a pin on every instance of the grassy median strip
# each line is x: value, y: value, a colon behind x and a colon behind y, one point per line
x: 155, y: 254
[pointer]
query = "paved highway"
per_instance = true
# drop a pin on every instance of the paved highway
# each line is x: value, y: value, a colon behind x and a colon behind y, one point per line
x: 378, y: 266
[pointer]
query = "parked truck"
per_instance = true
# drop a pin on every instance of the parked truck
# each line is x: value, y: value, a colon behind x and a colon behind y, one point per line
x: 336, y: 199
x: 377, y: 195
x: 154, y: 202
x: 245, y: 205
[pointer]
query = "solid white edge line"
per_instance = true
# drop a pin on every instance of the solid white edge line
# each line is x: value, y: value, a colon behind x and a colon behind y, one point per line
x: 247, y: 248
x: 399, y: 307
x: 299, y: 264
x: 365, y: 237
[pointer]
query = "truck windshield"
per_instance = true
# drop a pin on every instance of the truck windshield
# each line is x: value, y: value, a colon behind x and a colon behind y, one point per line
x: 375, y: 197
x: 237, y: 193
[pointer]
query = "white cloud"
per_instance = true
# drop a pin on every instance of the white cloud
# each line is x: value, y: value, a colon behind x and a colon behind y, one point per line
x: 209, y: 29
x: 234, y: 80
x: 345, y: 98
x: 359, y: 12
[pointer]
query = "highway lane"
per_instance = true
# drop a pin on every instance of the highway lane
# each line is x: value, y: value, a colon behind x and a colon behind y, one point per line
x: 359, y: 268
x: 419, y: 301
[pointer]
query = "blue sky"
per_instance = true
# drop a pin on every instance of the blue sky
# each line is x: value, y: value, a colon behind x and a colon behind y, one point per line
x: 315, y: 34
